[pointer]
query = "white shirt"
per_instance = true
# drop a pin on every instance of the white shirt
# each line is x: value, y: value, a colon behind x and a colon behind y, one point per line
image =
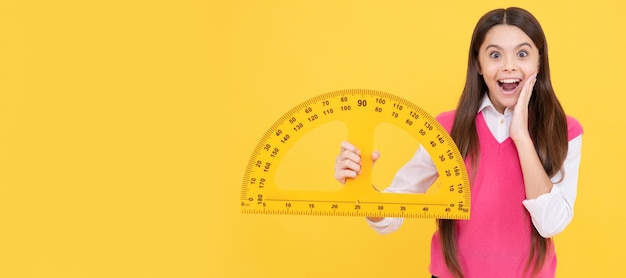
x: 550, y: 212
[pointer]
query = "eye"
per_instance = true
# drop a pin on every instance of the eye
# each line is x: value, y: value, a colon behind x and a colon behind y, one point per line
x: 494, y: 55
x: 522, y: 54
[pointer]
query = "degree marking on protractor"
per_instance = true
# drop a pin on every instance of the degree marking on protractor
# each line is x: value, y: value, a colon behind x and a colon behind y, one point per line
x: 361, y: 110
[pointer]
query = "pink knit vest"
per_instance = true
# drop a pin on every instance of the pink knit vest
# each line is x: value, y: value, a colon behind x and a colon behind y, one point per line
x: 495, y: 242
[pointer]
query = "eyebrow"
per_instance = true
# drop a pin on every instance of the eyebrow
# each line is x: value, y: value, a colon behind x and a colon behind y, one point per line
x: 518, y: 46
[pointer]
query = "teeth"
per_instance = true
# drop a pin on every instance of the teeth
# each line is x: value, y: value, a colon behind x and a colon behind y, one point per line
x: 509, y: 80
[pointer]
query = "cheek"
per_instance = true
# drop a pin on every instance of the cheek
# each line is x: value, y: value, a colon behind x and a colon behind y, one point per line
x: 537, y: 64
x: 489, y: 73
x: 489, y: 70
x: 530, y: 69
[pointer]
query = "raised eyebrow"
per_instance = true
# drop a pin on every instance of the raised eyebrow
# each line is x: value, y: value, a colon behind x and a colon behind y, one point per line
x: 493, y: 46
x: 500, y: 48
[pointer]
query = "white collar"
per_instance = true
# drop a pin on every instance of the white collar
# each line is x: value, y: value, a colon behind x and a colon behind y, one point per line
x: 486, y: 103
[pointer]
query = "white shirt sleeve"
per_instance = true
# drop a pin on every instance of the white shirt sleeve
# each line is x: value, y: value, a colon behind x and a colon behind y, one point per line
x: 553, y: 211
x: 416, y: 176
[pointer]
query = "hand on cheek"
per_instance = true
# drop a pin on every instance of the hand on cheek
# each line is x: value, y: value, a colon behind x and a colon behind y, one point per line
x: 519, y: 124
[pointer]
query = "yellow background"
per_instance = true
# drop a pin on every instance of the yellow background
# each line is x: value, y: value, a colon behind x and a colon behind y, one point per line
x: 126, y: 127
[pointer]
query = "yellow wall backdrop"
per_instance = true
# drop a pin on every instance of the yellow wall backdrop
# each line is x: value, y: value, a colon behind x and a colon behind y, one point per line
x: 126, y: 127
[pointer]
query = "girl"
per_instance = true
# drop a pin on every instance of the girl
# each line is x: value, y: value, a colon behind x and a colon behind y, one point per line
x: 521, y: 151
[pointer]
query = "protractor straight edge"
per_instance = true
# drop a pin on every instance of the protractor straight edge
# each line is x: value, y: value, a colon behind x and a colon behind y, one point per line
x: 361, y: 110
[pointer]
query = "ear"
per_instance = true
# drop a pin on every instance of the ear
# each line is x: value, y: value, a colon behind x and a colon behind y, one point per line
x: 478, y: 68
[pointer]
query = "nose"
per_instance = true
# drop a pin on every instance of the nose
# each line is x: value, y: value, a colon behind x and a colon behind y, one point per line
x: 509, y: 65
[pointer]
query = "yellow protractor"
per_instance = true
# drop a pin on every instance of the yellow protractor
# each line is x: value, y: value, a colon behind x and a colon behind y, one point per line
x: 361, y: 110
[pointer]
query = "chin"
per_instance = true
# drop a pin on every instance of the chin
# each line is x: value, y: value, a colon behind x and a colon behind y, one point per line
x: 510, y: 104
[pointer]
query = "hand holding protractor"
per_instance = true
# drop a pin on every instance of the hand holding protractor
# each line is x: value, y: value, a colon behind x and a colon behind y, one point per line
x: 361, y: 110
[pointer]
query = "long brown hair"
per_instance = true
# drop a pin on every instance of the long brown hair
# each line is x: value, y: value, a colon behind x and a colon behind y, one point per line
x: 547, y: 122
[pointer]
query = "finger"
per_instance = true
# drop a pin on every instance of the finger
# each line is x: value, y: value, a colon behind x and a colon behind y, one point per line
x: 526, y: 92
x: 375, y: 156
x: 346, y: 169
x: 529, y: 86
x: 348, y: 155
x: 345, y: 145
x: 347, y: 164
x: 342, y: 175
x: 531, y: 79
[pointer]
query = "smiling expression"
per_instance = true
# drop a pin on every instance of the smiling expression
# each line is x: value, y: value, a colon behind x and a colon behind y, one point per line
x: 507, y: 58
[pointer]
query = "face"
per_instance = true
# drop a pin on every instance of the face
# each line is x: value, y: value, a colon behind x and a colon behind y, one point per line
x: 507, y: 58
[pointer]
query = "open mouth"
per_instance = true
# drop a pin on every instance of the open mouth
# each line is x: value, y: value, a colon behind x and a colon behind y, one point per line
x: 509, y: 85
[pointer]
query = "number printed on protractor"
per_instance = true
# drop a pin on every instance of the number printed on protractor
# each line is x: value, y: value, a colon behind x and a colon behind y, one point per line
x: 361, y: 110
